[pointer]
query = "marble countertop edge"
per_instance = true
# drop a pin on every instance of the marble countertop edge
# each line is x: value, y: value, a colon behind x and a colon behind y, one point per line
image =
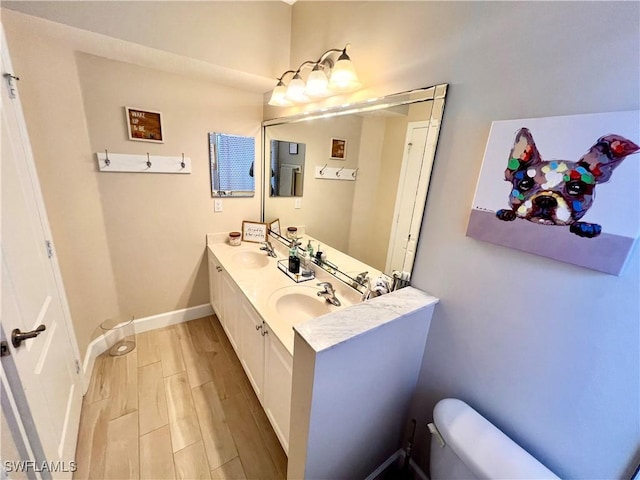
x: 328, y: 331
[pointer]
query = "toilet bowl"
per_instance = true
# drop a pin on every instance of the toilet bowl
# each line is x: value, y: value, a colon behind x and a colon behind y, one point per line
x: 466, y: 445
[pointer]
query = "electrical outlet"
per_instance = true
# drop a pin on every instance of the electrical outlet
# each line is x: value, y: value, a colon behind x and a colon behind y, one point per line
x: 217, y: 205
x: 297, y: 203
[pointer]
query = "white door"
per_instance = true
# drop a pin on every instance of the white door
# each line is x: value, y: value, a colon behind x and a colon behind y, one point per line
x: 33, y: 296
x: 410, y: 200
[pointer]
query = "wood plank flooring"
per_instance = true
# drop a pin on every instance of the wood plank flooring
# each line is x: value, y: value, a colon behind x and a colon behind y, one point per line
x: 178, y: 407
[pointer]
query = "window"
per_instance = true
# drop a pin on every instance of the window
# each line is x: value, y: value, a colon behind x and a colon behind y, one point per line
x: 231, y: 160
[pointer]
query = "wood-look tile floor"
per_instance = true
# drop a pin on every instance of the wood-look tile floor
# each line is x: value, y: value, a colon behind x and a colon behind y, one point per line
x: 178, y: 406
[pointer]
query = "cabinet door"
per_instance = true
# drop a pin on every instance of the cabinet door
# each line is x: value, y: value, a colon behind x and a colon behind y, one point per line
x: 230, y: 296
x: 277, y: 387
x: 215, y: 271
x: 252, y: 346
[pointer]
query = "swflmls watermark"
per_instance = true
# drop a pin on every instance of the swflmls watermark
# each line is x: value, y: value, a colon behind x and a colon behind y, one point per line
x: 39, y: 467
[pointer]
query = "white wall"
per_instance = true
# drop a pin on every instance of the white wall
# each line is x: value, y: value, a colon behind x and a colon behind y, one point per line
x: 547, y: 351
x: 248, y: 36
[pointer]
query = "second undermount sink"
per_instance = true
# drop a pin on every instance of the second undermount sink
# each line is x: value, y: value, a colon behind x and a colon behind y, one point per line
x: 298, y: 303
x: 250, y: 259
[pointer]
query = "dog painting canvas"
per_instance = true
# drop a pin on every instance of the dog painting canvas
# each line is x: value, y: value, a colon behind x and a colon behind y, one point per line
x: 563, y: 187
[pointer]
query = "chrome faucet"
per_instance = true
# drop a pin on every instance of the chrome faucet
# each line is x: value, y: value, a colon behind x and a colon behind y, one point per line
x: 329, y: 294
x: 268, y: 248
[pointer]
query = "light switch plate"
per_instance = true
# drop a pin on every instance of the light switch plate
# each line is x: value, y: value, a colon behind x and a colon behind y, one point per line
x: 217, y: 205
x: 297, y: 203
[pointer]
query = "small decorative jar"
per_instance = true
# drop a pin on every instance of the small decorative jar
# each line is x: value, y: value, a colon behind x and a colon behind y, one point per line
x: 292, y: 233
x: 234, y: 238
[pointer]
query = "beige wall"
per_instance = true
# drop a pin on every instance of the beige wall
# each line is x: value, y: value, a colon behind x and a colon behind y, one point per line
x: 127, y: 243
x: 326, y: 204
x: 541, y: 348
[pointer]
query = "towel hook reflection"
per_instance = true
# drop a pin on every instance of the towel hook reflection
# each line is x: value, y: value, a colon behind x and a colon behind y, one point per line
x: 107, y: 162
x: 322, y: 169
x: 148, y: 161
x: 182, y: 164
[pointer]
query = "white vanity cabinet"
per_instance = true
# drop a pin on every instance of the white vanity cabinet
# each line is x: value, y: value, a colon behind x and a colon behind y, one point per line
x: 265, y: 360
x: 230, y: 300
x: 224, y: 295
x: 215, y: 275
x: 277, y: 387
x: 252, y: 331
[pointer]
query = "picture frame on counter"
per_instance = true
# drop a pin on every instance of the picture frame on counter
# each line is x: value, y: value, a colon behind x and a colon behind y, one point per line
x: 275, y: 226
x: 254, y: 232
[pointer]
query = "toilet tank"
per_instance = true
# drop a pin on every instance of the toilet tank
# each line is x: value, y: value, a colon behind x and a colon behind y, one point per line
x: 474, y: 448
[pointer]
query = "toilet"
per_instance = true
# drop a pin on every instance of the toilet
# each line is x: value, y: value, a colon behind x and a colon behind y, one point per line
x: 465, y: 445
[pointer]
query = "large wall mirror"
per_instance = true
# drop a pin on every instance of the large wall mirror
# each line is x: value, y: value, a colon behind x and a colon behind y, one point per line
x: 375, y: 215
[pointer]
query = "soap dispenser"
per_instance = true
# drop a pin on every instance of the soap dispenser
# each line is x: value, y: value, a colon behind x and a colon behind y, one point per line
x: 294, y: 260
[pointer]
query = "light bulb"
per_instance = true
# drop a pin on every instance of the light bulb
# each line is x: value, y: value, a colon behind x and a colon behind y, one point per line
x: 317, y: 84
x: 279, y: 96
x: 343, y: 76
x: 295, y: 90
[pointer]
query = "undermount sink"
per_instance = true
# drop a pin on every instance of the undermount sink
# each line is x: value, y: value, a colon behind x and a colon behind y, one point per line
x: 298, y: 303
x: 250, y: 259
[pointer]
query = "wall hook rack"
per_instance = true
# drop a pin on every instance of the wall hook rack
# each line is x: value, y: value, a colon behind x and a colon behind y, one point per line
x: 147, y: 163
x: 335, y: 173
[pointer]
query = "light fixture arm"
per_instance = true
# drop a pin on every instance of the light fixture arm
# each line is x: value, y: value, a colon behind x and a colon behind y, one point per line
x: 283, y: 75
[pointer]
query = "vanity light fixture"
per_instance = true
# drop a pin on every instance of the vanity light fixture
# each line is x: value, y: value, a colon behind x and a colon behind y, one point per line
x: 327, y: 77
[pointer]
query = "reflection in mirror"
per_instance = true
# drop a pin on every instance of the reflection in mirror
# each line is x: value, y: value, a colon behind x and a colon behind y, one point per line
x: 287, y: 168
x: 231, y: 160
x: 377, y: 218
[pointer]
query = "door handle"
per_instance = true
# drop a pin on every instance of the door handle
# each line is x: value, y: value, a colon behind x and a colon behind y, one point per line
x: 17, y: 337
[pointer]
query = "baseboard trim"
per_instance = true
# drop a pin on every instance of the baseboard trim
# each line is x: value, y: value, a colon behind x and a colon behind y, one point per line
x: 140, y: 325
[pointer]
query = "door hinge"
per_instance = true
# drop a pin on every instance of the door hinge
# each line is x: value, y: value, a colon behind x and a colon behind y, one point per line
x: 10, y: 78
x: 4, y: 349
x: 77, y: 367
x: 49, y: 248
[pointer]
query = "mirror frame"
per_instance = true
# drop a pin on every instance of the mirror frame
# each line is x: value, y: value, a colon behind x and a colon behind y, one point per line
x: 434, y: 92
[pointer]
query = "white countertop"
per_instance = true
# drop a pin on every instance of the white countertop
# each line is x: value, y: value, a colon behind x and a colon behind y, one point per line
x: 259, y: 284
x: 345, y: 322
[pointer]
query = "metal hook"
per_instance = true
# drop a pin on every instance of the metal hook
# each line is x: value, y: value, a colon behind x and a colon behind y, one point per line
x: 338, y: 172
x: 353, y: 174
x: 322, y: 169
x: 182, y: 164
x: 148, y: 161
x: 107, y: 162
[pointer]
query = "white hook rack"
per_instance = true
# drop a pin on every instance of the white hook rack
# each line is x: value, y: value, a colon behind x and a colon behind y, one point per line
x: 336, y: 173
x: 146, y: 163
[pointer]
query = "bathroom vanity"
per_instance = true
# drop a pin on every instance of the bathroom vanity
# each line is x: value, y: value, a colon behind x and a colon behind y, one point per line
x: 258, y: 305
x: 312, y: 364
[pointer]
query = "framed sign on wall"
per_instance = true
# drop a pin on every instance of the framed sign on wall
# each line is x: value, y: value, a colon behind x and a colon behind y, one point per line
x: 338, y: 149
x: 144, y: 125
